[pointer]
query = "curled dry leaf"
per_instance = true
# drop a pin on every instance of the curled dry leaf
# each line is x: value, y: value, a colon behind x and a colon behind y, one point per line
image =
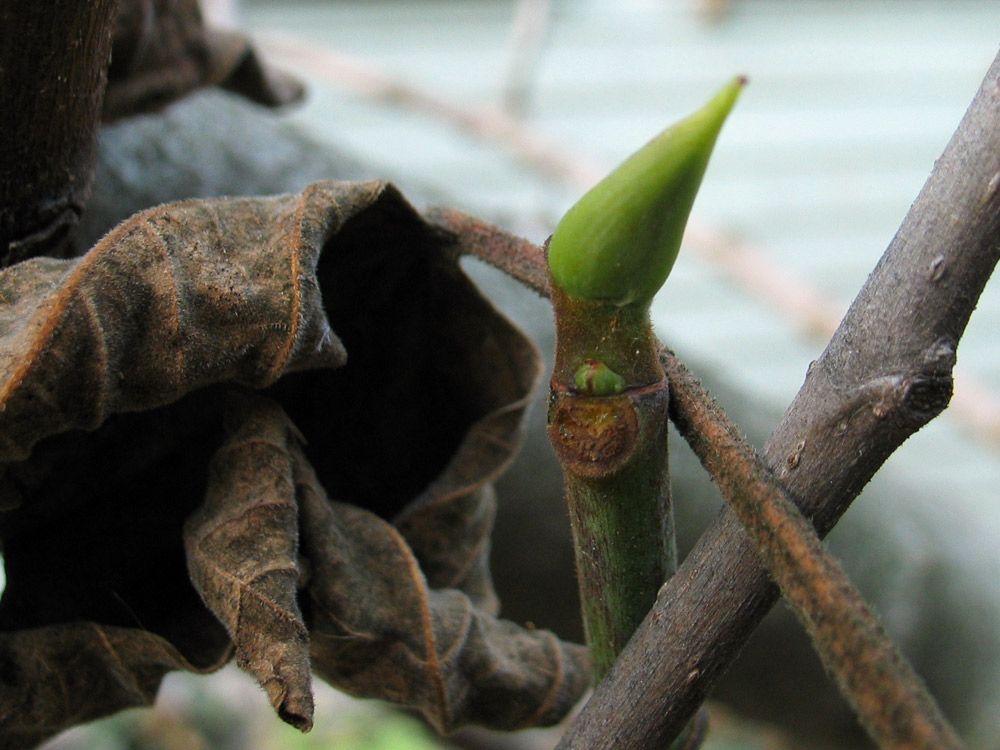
x: 162, y: 50
x: 173, y: 300
x: 242, y: 552
x: 27, y: 715
x: 432, y: 649
x: 268, y: 427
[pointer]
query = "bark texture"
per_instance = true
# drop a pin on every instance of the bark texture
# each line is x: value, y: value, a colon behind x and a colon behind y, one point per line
x: 56, y: 86
x: 53, y: 66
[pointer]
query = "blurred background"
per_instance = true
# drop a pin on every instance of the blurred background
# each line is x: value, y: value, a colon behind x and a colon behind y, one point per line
x: 510, y: 109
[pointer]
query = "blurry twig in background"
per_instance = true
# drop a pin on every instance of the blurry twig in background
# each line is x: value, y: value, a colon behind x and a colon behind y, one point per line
x: 221, y: 13
x: 532, y: 22
x: 489, y: 124
x: 713, y: 11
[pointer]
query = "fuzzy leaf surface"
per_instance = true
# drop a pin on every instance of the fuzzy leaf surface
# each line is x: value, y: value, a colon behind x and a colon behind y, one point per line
x: 242, y: 552
x: 432, y: 649
x: 266, y: 427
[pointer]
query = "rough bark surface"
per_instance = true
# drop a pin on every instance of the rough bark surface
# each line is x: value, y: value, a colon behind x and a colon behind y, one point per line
x: 52, y: 76
x: 56, y: 85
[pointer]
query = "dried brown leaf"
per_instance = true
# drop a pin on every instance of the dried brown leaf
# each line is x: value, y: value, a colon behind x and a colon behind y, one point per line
x: 98, y: 541
x: 124, y: 414
x: 242, y: 552
x: 448, y: 525
x: 162, y: 51
x: 431, y: 649
x: 113, y: 666
x: 176, y: 298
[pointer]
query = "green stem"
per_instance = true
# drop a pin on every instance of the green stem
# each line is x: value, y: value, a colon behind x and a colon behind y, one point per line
x: 613, y: 451
x: 607, y: 258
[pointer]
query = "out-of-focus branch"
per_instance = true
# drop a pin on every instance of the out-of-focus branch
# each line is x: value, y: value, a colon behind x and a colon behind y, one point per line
x: 532, y: 21
x: 53, y: 69
x: 488, y: 124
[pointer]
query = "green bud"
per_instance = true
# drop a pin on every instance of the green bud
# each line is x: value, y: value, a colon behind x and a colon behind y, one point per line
x: 619, y: 241
x: 597, y: 379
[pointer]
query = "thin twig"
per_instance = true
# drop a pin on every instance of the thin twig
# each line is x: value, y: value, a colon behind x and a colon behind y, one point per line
x: 485, y: 123
x: 517, y: 257
x: 889, y: 698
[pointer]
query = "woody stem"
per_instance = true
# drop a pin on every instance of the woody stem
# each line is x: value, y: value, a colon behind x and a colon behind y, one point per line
x: 613, y: 452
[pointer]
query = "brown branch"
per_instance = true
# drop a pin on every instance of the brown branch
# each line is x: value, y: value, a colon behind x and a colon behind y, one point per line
x: 515, y: 256
x: 888, y: 697
x: 814, y: 314
x: 885, y: 373
x: 53, y: 65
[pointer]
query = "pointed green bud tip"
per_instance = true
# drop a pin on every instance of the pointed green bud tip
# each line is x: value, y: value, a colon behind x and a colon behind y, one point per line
x: 619, y: 241
x: 597, y: 379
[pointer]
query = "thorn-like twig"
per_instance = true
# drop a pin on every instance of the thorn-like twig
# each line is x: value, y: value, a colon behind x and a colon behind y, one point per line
x: 889, y: 698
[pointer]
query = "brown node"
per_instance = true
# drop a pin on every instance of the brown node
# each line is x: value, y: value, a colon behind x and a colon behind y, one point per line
x: 593, y: 436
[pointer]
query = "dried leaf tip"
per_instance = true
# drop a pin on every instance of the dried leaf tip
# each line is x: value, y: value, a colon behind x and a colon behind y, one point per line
x: 619, y: 241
